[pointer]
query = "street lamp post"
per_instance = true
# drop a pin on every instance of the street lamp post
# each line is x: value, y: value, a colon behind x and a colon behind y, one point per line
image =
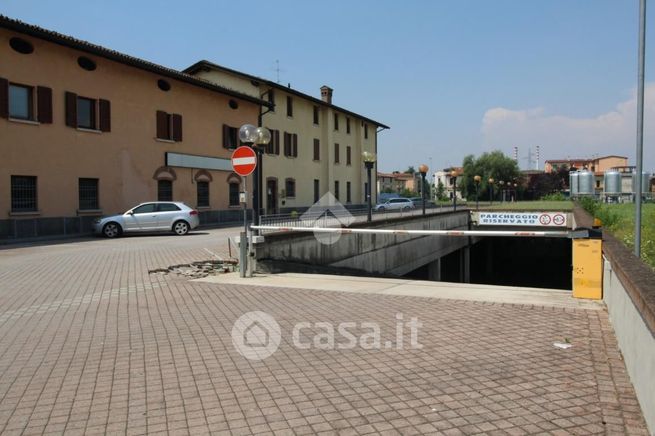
x: 477, y: 179
x: 491, y: 190
x: 453, y: 178
x: 423, y: 169
x: 369, y: 160
x: 502, y: 191
x: 256, y: 138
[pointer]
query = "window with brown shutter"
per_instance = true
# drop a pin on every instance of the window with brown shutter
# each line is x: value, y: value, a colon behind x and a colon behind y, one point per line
x: 295, y: 145
x: 104, y: 109
x: 348, y: 125
x: 177, y: 127
x: 169, y: 126
x: 277, y: 142
x: 270, y: 147
x: 230, y: 137
x: 71, y: 109
x: 273, y: 147
x: 162, y: 125
x: 317, y: 149
x: 86, y: 113
x: 4, y: 98
x: 290, y: 187
x: 336, y: 153
x: 271, y: 99
x: 365, y: 131
x: 44, y: 104
x: 21, y: 102
x: 289, y: 106
x: 287, y: 144
x: 316, y: 118
x: 336, y: 121
x: 348, y: 155
x: 17, y: 101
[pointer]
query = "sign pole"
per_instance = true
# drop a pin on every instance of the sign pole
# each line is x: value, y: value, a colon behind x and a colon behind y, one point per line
x: 243, y: 243
x: 244, y: 162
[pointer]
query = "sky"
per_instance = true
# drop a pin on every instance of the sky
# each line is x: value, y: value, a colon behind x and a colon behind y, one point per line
x: 450, y: 77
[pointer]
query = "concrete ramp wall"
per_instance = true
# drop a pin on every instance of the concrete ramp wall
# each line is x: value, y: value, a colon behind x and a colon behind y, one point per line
x: 391, y: 255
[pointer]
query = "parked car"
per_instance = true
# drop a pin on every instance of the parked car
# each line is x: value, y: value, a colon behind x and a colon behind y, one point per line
x: 418, y: 202
x: 395, y: 204
x: 155, y: 216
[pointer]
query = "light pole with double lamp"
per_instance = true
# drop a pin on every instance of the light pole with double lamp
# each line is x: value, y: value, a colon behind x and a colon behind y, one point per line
x: 491, y: 190
x: 257, y: 138
x: 369, y: 161
x: 423, y: 169
x: 453, y: 180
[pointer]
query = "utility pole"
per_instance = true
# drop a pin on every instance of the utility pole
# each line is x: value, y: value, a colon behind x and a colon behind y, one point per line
x: 640, y: 124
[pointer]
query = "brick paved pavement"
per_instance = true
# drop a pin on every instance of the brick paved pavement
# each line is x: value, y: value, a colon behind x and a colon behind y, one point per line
x: 91, y: 343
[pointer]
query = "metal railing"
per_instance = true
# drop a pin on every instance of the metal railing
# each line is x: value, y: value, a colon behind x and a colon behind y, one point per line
x: 324, y: 218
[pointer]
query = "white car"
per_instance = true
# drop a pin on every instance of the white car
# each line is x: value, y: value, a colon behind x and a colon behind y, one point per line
x: 155, y: 216
x: 395, y: 204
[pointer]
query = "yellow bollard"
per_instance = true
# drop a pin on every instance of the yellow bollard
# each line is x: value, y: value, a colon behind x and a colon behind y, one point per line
x: 588, y: 266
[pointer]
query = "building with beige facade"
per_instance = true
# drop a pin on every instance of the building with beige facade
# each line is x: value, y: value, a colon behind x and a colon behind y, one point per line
x: 316, y: 148
x: 87, y: 131
x: 597, y: 164
x: 398, y: 182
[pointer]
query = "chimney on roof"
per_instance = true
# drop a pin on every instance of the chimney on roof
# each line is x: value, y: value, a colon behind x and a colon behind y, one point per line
x: 326, y: 94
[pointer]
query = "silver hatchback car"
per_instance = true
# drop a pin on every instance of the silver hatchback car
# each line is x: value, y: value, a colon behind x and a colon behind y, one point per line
x: 149, y: 217
x: 402, y: 204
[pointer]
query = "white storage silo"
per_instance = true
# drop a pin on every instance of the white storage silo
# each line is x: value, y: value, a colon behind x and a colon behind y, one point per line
x: 585, y: 182
x: 612, y: 183
x: 573, y: 183
x: 645, y: 182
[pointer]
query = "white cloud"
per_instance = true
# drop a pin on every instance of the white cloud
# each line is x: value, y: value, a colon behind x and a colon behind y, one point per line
x: 559, y: 136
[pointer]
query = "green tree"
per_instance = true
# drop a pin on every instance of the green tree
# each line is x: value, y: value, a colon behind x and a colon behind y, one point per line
x: 441, y: 191
x: 410, y: 170
x: 493, y: 165
x: 407, y: 193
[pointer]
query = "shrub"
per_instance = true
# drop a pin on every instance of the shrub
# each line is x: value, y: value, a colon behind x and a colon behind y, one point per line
x: 557, y: 196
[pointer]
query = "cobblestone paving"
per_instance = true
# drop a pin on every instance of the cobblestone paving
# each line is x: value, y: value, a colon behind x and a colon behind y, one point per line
x: 92, y: 343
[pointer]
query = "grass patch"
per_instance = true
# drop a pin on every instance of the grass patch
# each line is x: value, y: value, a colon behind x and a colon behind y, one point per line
x: 619, y: 219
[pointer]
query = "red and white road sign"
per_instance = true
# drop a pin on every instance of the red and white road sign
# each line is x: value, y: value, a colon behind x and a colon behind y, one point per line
x: 244, y: 161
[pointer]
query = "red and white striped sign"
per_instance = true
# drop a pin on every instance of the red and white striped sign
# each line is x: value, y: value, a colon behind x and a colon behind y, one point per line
x: 244, y: 161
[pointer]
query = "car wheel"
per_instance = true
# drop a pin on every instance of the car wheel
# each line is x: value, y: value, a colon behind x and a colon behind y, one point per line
x: 111, y: 230
x: 181, y: 228
x: 380, y: 209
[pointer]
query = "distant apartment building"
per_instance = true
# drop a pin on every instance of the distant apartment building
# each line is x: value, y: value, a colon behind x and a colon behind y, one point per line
x: 88, y: 131
x: 396, y: 182
x: 316, y: 146
x: 597, y: 164
x: 451, y: 185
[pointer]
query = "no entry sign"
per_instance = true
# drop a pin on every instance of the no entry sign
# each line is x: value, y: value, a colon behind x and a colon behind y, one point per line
x: 244, y: 161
